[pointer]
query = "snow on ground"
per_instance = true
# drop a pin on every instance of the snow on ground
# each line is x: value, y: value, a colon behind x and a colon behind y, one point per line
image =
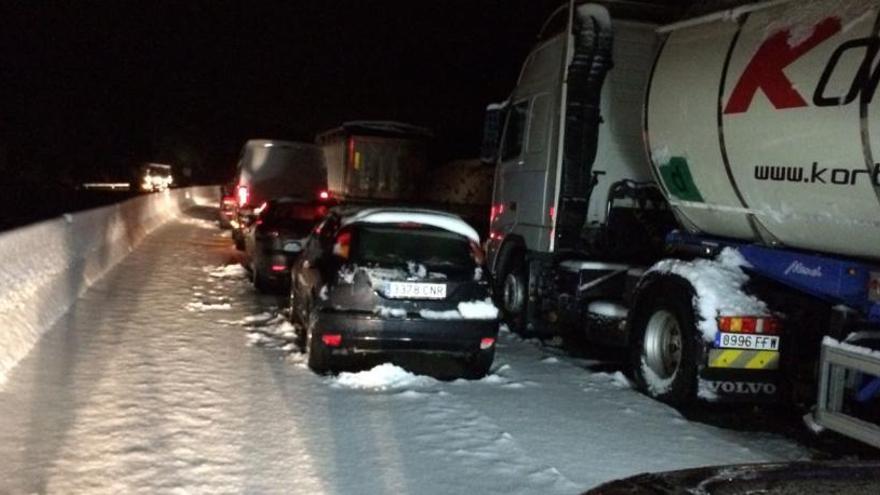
x: 132, y: 393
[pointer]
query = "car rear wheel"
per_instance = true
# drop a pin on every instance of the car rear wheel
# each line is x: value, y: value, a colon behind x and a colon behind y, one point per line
x: 665, y: 342
x: 479, y: 364
x: 260, y: 283
x: 238, y: 239
x: 318, y: 357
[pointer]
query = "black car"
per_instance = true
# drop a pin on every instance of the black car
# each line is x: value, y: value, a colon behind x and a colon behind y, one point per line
x: 274, y: 237
x: 850, y: 477
x: 389, y: 282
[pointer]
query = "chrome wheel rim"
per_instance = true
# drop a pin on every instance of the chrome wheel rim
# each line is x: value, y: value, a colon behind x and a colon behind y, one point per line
x: 662, y: 346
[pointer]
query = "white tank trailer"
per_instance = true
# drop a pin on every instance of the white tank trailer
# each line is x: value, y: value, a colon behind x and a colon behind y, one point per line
x: 703, y: 194
x: 763, y: 128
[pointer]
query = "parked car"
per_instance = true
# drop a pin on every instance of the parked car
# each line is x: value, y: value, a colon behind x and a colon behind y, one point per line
x: 387, y: 282
x: 274, y: 237
x: 270, y: 169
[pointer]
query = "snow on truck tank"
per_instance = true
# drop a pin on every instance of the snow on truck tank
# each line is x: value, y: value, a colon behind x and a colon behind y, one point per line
x: 272, y: 169
x: 761, y: 124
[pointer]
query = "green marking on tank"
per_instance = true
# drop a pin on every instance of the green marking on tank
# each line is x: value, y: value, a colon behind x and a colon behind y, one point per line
x: 678, y: 180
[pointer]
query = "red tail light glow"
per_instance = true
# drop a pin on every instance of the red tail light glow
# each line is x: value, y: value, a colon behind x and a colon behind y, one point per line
x: 496, y: 211
x: 244, y: 195
x: 749, y: 324
x: 279, y: 268
x: 487, y: 342
x: 324, y: 195
x: 342, y: 247
x: 331, y: 339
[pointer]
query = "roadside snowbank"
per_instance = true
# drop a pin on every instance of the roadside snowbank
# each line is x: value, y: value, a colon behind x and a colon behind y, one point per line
x: 47, y: 265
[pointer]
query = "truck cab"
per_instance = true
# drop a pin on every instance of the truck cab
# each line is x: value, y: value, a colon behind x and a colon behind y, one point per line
x: 615, y: 217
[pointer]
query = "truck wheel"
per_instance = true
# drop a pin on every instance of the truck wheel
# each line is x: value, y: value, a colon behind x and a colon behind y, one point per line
x: 513, y: 294
x: 665, y: 344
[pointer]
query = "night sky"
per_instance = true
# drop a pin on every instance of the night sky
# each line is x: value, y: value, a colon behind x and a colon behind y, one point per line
x: 89, y: 88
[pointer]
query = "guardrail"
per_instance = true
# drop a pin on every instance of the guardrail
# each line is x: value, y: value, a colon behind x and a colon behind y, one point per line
x: 47, y: 265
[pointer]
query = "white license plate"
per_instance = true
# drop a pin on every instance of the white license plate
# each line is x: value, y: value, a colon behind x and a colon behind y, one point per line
x: 725, y: 340
x: 414, y: 290
x: 292, y: 247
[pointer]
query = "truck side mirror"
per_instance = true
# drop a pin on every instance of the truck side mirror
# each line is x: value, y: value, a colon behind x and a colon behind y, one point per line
x: 492, y: 127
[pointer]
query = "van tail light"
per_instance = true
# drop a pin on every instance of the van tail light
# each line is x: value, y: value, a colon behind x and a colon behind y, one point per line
x: 749, y: 324
x: 332, y: 339
x: 342, y: 247
x: 244, y: 195
x: 495, y: 211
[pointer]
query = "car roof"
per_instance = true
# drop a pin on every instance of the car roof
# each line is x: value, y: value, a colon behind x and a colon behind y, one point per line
x: 434, y: 218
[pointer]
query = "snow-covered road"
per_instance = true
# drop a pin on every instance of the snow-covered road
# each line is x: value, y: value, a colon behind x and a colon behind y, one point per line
x: 171, y: 376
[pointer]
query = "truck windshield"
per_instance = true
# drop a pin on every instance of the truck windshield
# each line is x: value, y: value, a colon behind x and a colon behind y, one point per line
x: 400, y: 244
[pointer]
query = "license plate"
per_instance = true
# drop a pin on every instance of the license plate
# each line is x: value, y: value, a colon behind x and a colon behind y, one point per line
x: 292, y: 247
x: 725, y: 340
x: 414, y: 290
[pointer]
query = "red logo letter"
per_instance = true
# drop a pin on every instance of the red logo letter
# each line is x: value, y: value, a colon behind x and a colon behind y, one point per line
x: 765, y: 69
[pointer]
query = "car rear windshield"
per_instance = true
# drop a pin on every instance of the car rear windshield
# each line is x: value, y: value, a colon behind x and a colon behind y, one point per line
x: 399, y: 244
x: 299, y: 218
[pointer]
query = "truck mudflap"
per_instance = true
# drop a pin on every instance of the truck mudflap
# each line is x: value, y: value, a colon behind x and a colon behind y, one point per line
x: 739, y: 385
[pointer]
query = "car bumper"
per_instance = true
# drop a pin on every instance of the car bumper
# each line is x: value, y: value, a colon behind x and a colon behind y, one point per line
x: 364, y: 335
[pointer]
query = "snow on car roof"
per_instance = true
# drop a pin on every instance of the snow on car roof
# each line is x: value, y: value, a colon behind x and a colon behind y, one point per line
x: 433, y: 218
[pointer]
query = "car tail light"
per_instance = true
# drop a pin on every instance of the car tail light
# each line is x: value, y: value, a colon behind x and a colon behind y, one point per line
x: 331, y: 339
x: 342, y: 247
x: 487, y: 342
x: 244, y: 195
x: 278, y: 268
x: 749, y: 324
x: 324, y: 195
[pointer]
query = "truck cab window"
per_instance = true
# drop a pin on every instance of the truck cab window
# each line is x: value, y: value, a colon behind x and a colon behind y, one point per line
x: 515, y: 132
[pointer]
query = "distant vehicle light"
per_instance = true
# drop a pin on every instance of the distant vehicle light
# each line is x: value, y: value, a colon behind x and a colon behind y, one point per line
x: 331, y: 339
x: 278, y: 268
x: 324, y: 195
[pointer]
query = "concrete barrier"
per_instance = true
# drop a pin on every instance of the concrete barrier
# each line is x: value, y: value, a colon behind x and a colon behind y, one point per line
x: 44, y: 267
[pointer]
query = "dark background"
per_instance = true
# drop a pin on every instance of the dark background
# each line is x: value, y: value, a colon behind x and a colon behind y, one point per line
x: 89, y: 89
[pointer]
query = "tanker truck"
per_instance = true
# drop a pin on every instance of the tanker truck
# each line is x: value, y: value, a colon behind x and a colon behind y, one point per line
x: 702, y: 194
